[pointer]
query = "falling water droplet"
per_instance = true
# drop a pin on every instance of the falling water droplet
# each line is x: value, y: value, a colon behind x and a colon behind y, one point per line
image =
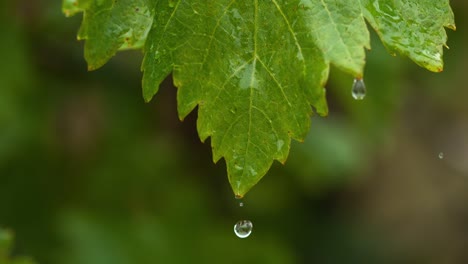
x: 239, y: 199
x: 441, y: 155
x: 243, y: 228
x: 359, y: 89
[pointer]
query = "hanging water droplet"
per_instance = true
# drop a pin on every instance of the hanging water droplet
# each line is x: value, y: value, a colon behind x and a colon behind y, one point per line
x: 359, y: 89
x: 441, y: 155
x: 243, y: 228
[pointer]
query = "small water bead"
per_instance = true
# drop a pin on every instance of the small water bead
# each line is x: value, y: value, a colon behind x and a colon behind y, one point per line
x: 441, y: 155
x: 243, y: 228
x: 239, y: 198
x: 359, y: 89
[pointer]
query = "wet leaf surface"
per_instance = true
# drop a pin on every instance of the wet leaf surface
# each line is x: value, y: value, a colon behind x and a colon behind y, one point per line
x: 255, y: 68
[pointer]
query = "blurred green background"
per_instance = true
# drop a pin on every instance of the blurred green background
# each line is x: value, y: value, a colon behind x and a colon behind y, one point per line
x: 90, y: 174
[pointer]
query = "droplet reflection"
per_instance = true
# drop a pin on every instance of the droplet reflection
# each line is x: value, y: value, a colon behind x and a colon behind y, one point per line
x: 243, y: 228
x: 359, y: 89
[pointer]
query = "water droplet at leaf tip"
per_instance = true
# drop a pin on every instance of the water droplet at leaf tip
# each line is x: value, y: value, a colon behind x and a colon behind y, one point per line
x: 359, y: 89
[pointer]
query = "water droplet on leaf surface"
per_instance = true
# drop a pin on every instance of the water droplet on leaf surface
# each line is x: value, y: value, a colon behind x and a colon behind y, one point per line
x: 243, y: 228
x: 359, y: 89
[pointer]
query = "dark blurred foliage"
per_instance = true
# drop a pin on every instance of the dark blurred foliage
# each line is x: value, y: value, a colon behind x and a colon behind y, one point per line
x: 6, y: 242
x: 90, y: 174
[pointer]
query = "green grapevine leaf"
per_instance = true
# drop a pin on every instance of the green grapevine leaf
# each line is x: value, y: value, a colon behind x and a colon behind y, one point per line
x: 414, y: 28
x: 255, y: 68
x: 109, y: 26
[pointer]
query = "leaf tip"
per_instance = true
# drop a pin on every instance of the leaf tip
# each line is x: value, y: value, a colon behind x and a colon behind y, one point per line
x: 323, y: 112
x: 147, y: 97
x: 93, y: 65
x: 182, y: 118
x: 452, y: 27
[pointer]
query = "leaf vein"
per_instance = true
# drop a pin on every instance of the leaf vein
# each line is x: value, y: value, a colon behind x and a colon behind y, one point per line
x: 336, y: 29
